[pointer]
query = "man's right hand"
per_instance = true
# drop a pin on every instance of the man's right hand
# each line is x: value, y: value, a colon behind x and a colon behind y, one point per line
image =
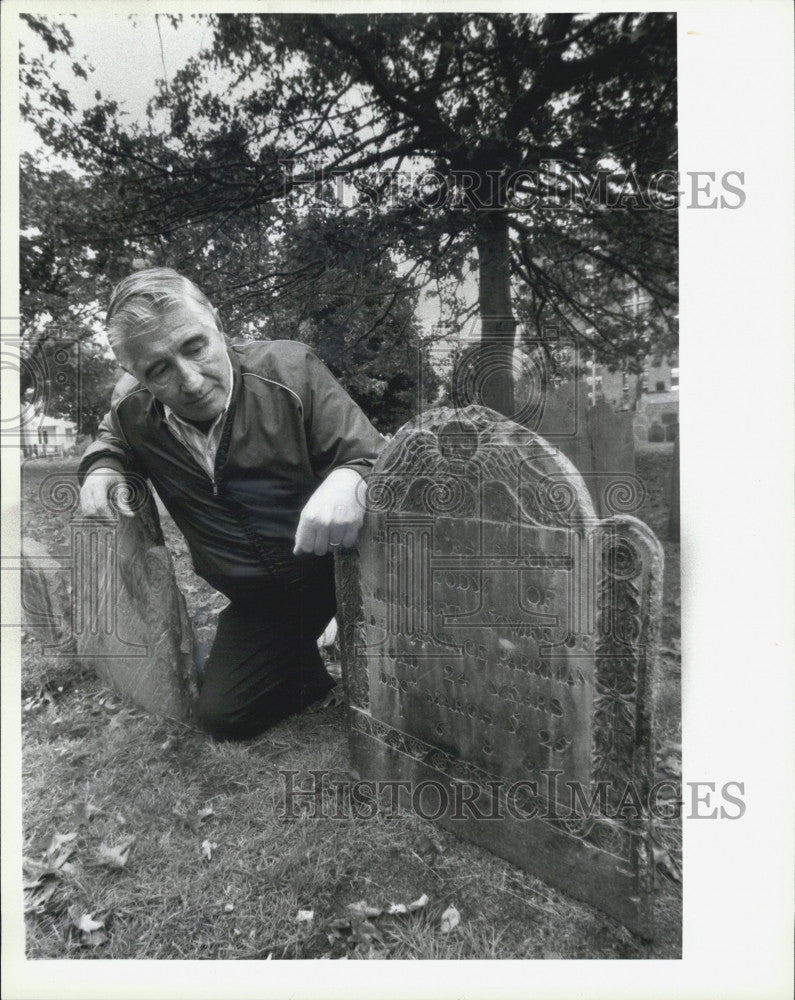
x: 99, y: 485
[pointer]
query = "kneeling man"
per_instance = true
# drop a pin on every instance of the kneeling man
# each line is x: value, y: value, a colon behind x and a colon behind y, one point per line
x: 257, y: 452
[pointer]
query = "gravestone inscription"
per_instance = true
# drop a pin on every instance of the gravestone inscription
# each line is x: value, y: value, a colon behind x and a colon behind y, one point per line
x: 498, y: 644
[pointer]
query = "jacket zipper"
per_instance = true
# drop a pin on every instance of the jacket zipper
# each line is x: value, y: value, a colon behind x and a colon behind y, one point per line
x: 223, y: 443
x: 198, y: 465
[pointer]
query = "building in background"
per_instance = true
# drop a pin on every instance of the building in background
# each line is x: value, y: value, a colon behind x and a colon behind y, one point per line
x: 653, y: 395
x: 44, y: 436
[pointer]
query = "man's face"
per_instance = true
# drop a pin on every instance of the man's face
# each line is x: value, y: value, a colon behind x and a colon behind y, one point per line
x: 182, y: 360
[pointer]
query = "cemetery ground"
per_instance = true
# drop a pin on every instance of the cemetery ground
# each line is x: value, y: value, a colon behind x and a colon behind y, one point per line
x: 145, y: 839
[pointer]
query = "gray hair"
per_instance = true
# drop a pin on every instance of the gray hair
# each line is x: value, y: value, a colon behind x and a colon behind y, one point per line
x: 141, y: 299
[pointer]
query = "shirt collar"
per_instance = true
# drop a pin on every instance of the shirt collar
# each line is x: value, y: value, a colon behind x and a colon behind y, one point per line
x: 173, y: 418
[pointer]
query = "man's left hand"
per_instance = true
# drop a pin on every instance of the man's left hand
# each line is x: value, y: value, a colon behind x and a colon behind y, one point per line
x: 333, y: 514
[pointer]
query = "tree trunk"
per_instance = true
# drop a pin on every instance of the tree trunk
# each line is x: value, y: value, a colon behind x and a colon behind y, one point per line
x: 498, y: 326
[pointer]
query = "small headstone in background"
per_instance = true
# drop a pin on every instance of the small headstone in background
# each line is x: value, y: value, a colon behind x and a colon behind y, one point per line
x: 640, y: 426
x: 599, y: 441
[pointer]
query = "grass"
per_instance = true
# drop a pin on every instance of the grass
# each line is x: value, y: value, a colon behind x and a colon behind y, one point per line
x: 107, y: 773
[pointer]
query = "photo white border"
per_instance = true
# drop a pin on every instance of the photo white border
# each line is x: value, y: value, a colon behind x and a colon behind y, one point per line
x: 736, y: 362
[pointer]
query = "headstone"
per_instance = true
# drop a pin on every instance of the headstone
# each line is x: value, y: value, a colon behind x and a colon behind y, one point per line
x: 129, y: 621
x: 46, y: 607
x: 640, y: 426
x: 617, y: 488
x: 498, y: 641
x: 599, y: 441
x: 563, y: 422
x: 133, y: 626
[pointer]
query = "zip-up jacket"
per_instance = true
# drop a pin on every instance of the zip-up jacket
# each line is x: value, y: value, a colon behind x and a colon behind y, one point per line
x: 289, y: 424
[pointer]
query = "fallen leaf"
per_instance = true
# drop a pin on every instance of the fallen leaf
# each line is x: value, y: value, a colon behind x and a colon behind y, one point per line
x: 205, y: 813
x: 54, y: 861
x: 170, y: 743
x: 84, y: 921
x: 305, y: 916
x: 418, y: 904
x: 207, y: 849
x: 58, y: 840
x: 363, y: 909
x: 39, y: 897
x: 115, y: 857
x: 362, y: 931
x: 229, y: 908
x: 91, y: 928
x: 451, y: 918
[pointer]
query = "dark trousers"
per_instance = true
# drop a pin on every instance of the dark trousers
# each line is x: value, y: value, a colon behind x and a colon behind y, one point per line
x: 264, y: 664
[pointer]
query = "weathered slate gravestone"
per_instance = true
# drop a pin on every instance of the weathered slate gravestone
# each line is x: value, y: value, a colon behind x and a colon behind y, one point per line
x: 640, y: 426
x: 46, y: 607
x: 129, y: 620
x: 599, y: 441
x: 499, y: 641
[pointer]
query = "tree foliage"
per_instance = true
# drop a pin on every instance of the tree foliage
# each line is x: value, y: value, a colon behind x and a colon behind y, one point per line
x: 64, y: 369
x: 523, y: 142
